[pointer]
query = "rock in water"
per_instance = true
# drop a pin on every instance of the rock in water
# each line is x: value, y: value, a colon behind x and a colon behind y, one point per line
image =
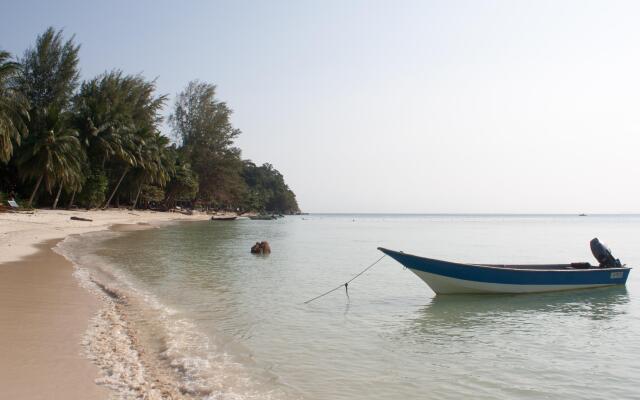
x: 261, y: 248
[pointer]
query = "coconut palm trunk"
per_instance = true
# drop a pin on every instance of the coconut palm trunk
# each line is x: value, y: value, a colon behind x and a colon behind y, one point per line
x: 116, y: 188
x: 55, y: 202
x: 73, y: 197
x: 137, y: 196
x: 35, y: 190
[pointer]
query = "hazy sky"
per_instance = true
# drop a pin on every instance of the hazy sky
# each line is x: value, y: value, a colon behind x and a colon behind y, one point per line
x: 395, y: 106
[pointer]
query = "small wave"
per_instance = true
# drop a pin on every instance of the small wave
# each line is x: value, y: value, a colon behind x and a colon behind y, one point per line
x: 145, y: 350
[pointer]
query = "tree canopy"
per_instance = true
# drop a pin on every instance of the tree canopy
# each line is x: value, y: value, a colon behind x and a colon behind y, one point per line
x: 14, y: 107
x: 202, y: 124
x: 100, y: 142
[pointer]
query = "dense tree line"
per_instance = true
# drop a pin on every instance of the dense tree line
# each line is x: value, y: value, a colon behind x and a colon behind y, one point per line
x: 98, y: 143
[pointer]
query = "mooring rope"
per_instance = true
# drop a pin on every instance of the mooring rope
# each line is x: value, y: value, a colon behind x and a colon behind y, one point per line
x: 346, y: 284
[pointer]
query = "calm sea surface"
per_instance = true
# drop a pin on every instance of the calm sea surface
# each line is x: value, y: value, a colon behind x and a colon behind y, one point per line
x: 234, y: 324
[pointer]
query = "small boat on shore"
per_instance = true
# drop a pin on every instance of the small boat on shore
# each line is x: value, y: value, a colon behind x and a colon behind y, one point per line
x: 445, y: 277
x: 224, y: 218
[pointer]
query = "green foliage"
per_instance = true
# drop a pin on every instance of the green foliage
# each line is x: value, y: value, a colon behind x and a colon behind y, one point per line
x: 183, y: 183
x: 202, y: 123
x: 112, y: 111
x: 49, y: 74
x: 14, y: 108
x: 105, y: 138
x: 155, y: 164
x: 267, y: 190
x: 151, y: 193
x: 54, y: 156
x: 118, y: 117
x: 94, y: 189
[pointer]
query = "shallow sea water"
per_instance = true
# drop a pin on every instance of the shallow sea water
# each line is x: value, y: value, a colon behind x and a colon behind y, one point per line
x: 232, y: 325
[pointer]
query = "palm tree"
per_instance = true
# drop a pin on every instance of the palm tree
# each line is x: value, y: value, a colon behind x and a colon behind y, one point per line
x: 116, y: 115
x: 103, y: 114
x: 52, y: 157
x: 73, y: 181
x: 156, y: 165
x: 14, y: 108
x: 48, y: 77
x: 128, y: 156
x: 183, y: 182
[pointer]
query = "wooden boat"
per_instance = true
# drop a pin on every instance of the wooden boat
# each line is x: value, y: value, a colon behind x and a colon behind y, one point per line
x: 224, y: 218
x: 445, y: 277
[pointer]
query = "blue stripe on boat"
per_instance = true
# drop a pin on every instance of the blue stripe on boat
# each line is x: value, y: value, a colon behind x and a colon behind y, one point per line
x: 481, y: 273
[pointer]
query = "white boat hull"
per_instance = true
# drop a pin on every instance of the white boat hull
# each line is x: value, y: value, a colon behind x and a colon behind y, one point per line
x: 447, y: 285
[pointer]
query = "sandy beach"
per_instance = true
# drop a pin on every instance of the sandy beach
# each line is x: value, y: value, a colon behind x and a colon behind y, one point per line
x: 21, y: 232
x: 44, y: 311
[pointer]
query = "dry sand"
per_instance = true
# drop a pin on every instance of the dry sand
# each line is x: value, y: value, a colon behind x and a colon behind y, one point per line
x: 20, y: 232
x: 43, y: 310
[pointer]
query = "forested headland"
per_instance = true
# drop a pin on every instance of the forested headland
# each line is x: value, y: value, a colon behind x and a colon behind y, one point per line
x: 98, y: 143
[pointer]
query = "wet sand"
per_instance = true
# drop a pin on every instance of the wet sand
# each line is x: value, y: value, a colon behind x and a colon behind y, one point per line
x: 44, y: 312
x: 43, y: 316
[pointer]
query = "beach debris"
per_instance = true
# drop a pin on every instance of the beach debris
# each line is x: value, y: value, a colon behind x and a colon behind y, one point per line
x: 182, y: 211
x: 261, y: 248
x: 81, y: 219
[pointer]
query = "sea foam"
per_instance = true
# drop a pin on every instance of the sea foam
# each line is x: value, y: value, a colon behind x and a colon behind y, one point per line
x: 144, y: 349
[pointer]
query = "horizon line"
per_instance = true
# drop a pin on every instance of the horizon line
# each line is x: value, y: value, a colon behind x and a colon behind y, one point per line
x: 467, y: 213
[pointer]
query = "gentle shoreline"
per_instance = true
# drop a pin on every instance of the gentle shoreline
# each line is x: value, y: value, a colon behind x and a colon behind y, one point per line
x: 45, y: 311
x: 44, y: 316
x: 21, y: 232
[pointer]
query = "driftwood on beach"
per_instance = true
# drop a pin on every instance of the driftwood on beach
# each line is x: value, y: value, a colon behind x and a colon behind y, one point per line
x: 81, y: 219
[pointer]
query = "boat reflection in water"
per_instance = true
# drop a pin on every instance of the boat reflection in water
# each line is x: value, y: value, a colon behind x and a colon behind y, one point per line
x: 552, y: 345
x: 445, y: 314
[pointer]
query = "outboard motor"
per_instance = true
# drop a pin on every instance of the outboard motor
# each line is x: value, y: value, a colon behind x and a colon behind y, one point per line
x: 603, y: 255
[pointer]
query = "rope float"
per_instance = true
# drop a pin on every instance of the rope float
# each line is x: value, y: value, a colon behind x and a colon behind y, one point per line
x: 346, y: 284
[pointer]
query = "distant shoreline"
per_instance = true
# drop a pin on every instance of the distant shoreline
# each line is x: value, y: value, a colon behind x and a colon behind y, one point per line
x: 477, y: 214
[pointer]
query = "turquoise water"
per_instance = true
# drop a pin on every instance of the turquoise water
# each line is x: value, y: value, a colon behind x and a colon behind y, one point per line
x: 233, y: 325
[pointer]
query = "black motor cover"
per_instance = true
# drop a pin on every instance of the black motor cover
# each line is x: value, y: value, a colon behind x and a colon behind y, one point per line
x: 603, y: 255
